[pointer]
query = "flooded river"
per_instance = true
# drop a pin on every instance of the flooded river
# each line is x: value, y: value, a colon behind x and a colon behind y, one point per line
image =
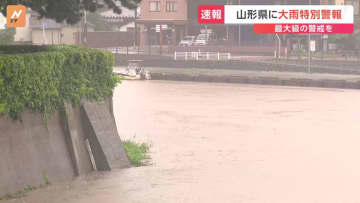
x: 217, y: 143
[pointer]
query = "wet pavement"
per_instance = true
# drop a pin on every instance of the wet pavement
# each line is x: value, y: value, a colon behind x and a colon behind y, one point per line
x: 229, y: 143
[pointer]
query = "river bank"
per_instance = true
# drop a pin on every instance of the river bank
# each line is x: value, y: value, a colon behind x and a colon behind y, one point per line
x: 256, y: 77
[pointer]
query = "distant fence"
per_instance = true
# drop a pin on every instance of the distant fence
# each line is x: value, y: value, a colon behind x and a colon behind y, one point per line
x: 124, y: 50
x: 196, y: 56
x: 260, y: 50
x: 334, y: 67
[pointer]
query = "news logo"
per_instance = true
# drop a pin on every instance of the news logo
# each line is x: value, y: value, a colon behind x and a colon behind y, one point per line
x: 16, y: 16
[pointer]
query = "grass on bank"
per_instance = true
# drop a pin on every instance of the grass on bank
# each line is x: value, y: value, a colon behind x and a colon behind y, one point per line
x: 25, y: 191
x: 137, y: 152
x: 20, y: 193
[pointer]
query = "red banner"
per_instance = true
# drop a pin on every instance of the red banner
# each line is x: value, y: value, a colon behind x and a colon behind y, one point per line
x: 213, y: 14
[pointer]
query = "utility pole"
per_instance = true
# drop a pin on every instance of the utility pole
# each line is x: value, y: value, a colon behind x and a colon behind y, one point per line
x: 309, y: 48
x: 135, y: 41
x: 279, y: 47
x: 227, y: 26
x: 160, y: 41
x: 84, y: 32
x: 44, y: 33
x: 239, y: 36
x: 149, y: 37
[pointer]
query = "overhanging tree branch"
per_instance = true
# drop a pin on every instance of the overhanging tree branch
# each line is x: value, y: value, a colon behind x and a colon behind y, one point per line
x: 69, y: 11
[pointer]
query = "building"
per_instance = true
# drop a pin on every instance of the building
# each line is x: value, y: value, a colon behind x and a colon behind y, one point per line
x: 23, y: 34
x: 171, y: 13
x: 47, y: 31
x: 44, y: 31
x: 120, y: 22
x: 355, y: 3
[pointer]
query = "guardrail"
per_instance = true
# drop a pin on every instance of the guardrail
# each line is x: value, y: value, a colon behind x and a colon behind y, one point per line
x: 197, y: 56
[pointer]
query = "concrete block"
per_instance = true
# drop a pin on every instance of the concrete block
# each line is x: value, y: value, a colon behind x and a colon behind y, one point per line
x: 104, y: 139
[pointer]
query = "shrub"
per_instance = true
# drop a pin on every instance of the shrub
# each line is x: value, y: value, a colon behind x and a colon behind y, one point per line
x: 137, y: 152
x: 17, y: 49
x: 42, y: 78
x: 299, y: 53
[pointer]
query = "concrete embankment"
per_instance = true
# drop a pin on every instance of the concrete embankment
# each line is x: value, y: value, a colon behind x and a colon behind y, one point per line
x: 257, y: 77
x: 33, y: 154
x: 331, y: 67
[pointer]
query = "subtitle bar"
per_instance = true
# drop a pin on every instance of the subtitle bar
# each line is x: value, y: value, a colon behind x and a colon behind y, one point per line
x: 304, y: 28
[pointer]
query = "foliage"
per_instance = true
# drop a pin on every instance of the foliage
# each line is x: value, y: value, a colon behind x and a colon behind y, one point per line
x: 42, y: 78
x: 348, y: 42
x: 299, y: 53
x: 20, y: 193
x: 357, y: 23
x: 68, y: 10
x: 46, y: 179
x: 137, y: 152
x: 16, y: 49
x: 99, y: 22
x: 7, y: 35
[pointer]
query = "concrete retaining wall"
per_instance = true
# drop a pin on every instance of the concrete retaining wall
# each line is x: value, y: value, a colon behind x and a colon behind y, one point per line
x: 167, y: 61
x: 300, y: 82
x: 29, y: 150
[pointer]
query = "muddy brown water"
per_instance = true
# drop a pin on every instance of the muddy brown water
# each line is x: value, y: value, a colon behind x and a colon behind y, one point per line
x: 229, y: 143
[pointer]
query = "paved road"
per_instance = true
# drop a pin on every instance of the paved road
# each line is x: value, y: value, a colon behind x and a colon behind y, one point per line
x: 230, y: 143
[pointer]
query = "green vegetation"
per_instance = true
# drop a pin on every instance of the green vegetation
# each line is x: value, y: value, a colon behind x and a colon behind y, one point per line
x: 349, y: 41
x: 345, y: 42
x: 46, y: 179
x: 43, y: 78
x: 137, y: 152
x: 25, y: 191
x: 20, y: 193
x: 70, y: 11
x: 99, y: 22
x: 7, y: 35
x: 299, y: 53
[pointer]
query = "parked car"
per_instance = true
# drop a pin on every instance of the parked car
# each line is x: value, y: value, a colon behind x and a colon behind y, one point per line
x: 187, y: 41
x: 205, y: 39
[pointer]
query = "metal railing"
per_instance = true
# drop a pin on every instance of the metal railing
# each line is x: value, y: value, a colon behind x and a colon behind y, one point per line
x: 197, y: 56
x: 123, y: 50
